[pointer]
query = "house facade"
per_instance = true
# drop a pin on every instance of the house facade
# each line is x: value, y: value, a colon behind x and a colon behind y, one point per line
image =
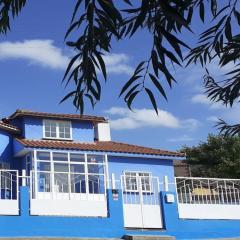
x: 62, y: 175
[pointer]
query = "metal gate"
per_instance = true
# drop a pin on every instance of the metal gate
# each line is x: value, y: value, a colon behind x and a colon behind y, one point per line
x: 141, y: 201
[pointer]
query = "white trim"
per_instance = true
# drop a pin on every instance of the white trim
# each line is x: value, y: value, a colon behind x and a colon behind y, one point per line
x: 57, y: 129
x: 139, y: 184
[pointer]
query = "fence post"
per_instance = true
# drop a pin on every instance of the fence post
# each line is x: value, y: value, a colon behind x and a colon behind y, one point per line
x: 165, y: 183
x: 23, y: 177
x: 113, y: 181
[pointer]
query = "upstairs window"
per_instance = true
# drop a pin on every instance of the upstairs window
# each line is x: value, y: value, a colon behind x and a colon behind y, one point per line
x: 57, y: 129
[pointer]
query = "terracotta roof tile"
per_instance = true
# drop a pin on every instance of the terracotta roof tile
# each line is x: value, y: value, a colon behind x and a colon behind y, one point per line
x: 110, y: 146
x: 23, y: 113
x: 9, y: 127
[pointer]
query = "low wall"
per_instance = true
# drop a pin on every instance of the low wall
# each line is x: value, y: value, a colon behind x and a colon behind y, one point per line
x: 112, y: 226
x: 26, y: 225
x: 191, y: 228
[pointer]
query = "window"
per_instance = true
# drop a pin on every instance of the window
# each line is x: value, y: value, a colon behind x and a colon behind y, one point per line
x: 57, y: 129
x: 134, y: 180
x: 64, y: 172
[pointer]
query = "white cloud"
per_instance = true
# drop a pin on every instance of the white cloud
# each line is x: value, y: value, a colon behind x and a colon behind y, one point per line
x: 202, y: 99
x: 212, y: 119
x: 147, y: 118
x: 41, y: 52
x: 184, y: 138
x: 45, y: 53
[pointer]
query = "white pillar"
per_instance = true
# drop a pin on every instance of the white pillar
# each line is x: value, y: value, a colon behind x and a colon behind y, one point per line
x: 165, y: 183
x: 113, y: 181
x: 24, y: 177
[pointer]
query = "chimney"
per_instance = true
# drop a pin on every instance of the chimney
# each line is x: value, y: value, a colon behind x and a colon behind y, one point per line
x: 102, y: 132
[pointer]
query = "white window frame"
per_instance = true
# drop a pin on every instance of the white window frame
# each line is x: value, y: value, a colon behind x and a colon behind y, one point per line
x: 57, y: 129
x: 69, y: 162
x: 137, y: 177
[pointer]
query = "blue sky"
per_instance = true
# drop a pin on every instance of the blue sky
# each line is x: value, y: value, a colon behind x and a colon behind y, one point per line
x: 33, y: 57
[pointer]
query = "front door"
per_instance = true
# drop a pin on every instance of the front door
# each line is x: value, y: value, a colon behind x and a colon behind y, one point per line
x: 141, y: 200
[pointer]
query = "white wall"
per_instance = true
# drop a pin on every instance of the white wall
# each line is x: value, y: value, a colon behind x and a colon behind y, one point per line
x: 9, y: 207
x: 208, y: 211
x: 102, y: 132
x: 59, y: 207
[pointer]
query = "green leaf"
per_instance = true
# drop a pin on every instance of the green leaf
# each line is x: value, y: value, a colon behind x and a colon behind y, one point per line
x: 75, y: 9
x: 68, y: 96
x: 158, y: 85
x: 131, y: 91
x: 128, y: 83
x: 228, y: 30
x: 131, y: 98
x: 102, y: 64
x: 155, y: 62
x: 152, y: 99
x: 91, y: 99
x: 72, y: 61
x: 201, y: 11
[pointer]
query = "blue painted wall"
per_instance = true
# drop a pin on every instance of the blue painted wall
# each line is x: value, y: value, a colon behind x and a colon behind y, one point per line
x: 25, y: 225
x: 30, y: 226
x: 82, y: 131
x: 158, y: 167
x: 5, y: 146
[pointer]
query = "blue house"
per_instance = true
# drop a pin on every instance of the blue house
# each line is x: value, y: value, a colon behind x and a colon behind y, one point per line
x: 61, y: 175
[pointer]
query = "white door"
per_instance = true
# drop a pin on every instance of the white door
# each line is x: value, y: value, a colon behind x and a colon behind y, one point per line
x: 141, y: 200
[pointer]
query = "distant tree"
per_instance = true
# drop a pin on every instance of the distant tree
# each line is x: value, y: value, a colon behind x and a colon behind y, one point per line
x: 96, y: 24
x: 217, y: 157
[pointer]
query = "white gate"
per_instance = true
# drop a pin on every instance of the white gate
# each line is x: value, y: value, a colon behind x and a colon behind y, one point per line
x: 141, y: 201
x: 9, y: 204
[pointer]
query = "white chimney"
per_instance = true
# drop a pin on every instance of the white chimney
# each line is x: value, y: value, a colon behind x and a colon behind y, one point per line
x: 102, y: 132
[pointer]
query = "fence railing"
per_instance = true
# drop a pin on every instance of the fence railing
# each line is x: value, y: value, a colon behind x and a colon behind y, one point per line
x: 208, y: 190
x: 8, y: 184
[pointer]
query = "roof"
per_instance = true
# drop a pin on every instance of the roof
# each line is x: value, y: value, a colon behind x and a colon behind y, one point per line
x: 28, y: 113
x: 10, y: 128
x: 109, y: 146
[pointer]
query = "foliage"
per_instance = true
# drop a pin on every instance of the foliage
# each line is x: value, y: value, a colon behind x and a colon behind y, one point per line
x: 219, y: 156
x: 9, y: 7
x: 97, y: 23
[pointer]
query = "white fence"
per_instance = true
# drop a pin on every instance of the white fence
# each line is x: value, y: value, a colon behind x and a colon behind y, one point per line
x: 208, y: 190
x: 208, y: 198
x: 9, y: 204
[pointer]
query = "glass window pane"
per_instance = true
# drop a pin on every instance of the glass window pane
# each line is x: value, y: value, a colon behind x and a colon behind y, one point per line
x: 43, y: 156
x: 61, y: 182
x: 96, y: 168
x: 61, y: 135
x: 95, y: 158
x: 67, y: 135
x: 43, y: 166
x: 77, y: 157
x: 53, y: 134
x: 77, y: 168
x: 60, y: 156
x: 44, y: 183
x: 47, y: 134
x: 78, y: 183
x: 60, y: 167
x: 131, y: 183
x: 96, y: 184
